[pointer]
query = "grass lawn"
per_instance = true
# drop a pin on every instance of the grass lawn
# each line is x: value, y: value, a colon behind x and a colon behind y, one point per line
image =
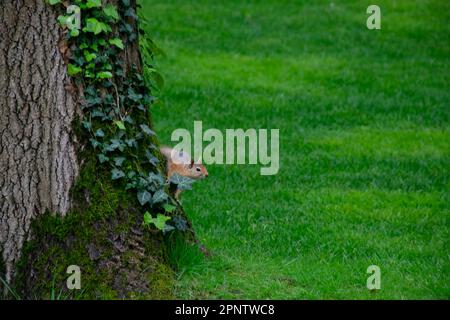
x: 364, y: 145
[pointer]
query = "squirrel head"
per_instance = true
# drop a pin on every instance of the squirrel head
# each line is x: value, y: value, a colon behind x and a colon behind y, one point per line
x: 197, y: 170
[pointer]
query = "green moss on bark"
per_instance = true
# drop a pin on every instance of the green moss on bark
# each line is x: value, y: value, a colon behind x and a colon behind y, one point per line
x: 104, y: 236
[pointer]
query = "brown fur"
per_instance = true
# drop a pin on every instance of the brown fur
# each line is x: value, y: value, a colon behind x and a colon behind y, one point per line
x: 187, y: 168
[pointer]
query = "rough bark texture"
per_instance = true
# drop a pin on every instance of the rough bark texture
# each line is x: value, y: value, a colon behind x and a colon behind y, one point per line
x: 37, y: 157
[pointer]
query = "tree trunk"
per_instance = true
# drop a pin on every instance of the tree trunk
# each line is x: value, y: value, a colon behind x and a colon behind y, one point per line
x: 37, y: 154
x: 58, y: 207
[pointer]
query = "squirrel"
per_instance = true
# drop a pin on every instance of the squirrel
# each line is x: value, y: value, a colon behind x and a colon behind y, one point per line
x: 181, y: 163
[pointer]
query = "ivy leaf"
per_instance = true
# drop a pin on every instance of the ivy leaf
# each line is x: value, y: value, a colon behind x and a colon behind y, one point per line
x: 95, y: 26
x: 111, y: 12
x: 131, y: 143
x: 131, y: 175
x: 92, y: 101
x: 147, y: 218
x: 117, y: 42
x: 118, y: 161
x: 95, y: 143
x: 130, y: 185
x: 144, y: 197
x: 128, y: 119
x: 97, y: 114
x: 156, y: 179
x: 74, y: 33
x: 73, y: 70
x: 62, y: 20
x: 183, y: 183
x: 115, y: 144
x: 159, y: 221
x: 117, y: 174
x: 104, y: 75
x: 151, y: 158
x: 102, y: 158
x: 87, y: 125
x: 169, y: 207
x: 159, y: 196
x: 93, y: 3
x: 89, y: 56
x: 99, y: 133
x: 120, y: 124
x: 133, y: 95
x: 91, y: 90
x: 53, y: 2
x: 168, y: 228
x: 142, y: 183
x: 180, y: 223
x: 147, y: 130
x: 126, y: 3
x: 130, y: 13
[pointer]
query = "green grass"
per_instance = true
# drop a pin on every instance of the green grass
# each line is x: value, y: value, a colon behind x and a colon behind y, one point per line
x: 364, y: 145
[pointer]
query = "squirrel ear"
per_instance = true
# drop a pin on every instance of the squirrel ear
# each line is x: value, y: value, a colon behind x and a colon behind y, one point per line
x: 192, y: 164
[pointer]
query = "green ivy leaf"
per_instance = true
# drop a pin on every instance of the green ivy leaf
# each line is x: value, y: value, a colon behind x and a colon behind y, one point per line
x: 147, y: 218
x: 87, y: 125
x: 102, y: 158
x: 133, y: 95
x: 151, y: 158
x: 95, y: 26
x: 119, y: 124
x: 156, y: 179
x: 89, y: 56
x: 130, y: 13
x: 159, y: 196
x: 73, y: 70
x: 180, y: 223
x: 74, y: 33
x: 99, y: 133
x: 53, y: 2
x: 62, y: 20
x: 131, y: 143
x: 95, y: 143
x: 159, y: 221
x: 104, y: 75
x: 118, y: 161
x: 169, y: 207
x: 144, y: 197
x: 117, y: 42
x: 93, y: 3
x: 168, y: 228
x: 115, y: 144
x: 111, y: 12
x: 117, y: 174
x: 183, y: 183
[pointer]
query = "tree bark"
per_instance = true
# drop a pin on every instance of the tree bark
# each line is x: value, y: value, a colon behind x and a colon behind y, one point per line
x: 37, y: 155
x: 58, y: 207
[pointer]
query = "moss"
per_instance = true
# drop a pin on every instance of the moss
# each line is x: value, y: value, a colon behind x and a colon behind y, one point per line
x: 104, y: 236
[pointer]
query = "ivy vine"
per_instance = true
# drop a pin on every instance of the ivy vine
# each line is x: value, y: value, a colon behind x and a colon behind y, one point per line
x: 116, y: 100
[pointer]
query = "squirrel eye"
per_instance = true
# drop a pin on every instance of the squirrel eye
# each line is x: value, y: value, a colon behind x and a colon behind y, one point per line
x: 198, y: 169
